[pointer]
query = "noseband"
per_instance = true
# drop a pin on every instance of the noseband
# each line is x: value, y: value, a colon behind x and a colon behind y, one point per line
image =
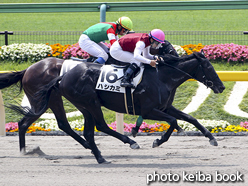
x: 205, y: 81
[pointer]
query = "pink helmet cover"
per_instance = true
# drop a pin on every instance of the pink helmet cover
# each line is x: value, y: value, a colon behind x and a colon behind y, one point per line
x: 157, y: 35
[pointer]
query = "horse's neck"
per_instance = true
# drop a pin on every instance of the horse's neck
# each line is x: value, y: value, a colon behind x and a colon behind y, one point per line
x: 173, y: 77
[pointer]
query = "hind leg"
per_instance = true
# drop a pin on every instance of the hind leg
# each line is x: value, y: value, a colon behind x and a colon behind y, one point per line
x: 23, y: 125
x: 94, y: 108
x: 101, y: 125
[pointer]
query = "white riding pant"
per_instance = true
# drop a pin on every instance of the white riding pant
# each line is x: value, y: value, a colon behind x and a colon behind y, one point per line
x: 94, y: 49
x: 121, y: 55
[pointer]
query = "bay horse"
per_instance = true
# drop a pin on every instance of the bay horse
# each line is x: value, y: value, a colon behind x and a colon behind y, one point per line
x: 153, y: 97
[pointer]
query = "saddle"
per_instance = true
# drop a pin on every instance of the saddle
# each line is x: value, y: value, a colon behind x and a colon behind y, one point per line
x: 110, y: 79
x: 110, y: 76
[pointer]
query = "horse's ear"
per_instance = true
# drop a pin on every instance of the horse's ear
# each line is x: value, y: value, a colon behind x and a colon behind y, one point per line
x: 201, y: 58
x: 200, y: 54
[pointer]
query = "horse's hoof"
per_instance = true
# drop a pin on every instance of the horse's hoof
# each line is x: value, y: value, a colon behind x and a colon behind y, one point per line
x: 180, y: 131
x: 134, y: 132
x: 155, y: 143
x: 213, y: 142
x: 103, y: 161
x: 36, y: 150
x: 135, y: 146
x: 23, y: 152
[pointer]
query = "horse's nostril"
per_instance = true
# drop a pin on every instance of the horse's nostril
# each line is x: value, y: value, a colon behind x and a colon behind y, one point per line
x: 222, y: 88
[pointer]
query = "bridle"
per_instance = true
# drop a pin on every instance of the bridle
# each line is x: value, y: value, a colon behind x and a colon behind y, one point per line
x: 206, y: 82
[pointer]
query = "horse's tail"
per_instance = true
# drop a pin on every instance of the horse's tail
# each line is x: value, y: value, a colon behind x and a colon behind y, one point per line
x: 10, y: 78
x: 42, y: 98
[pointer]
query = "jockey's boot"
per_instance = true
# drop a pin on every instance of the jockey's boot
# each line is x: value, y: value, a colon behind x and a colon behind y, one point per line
x: 99, y: 60
x: 127, y: 78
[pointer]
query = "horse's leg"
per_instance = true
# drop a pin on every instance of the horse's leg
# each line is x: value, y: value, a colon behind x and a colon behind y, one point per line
x: 89, y: 126
x: 156, y: 114
x: 23, y: 125
x: 186, y: 117
x: 135, y: 129
x: 56, y: 105
x: 85, y: 96
x: 101, y: 125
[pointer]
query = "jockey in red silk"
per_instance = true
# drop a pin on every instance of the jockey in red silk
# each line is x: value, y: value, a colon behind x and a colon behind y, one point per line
x: 90, y: 40
x: 135, y: 49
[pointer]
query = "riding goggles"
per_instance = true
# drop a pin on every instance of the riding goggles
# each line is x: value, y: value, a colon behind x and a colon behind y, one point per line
x: 125, y: 31
x: 157, y: 44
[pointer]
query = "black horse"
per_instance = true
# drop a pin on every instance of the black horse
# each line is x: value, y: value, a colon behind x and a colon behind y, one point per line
x: 153, y: 97
x: 41, y: 73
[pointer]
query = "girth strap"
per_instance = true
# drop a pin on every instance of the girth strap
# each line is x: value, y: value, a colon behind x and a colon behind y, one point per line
x: 128, y: 96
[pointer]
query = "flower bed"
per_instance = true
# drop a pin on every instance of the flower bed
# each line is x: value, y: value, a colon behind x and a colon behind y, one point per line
x: 58, y: 50
x: 227, y: 52
x: 212, y: 126
x: 190, y: 48
x: 75, y: 51
x: 24, y: 52
x: 35, y: 52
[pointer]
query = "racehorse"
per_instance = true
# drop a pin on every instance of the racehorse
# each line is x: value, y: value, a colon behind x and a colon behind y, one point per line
x: 41, y: 73
x: 153, y: 97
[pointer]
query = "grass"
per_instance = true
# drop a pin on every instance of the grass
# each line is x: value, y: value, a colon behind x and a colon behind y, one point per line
x: 143, y: 20
x: 213, y: 107
x: 244, y: 104
x: 13, y: 66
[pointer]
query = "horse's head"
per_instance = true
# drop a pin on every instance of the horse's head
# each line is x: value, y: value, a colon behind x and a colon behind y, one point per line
x: 207, y: 75
x: 167, y: 48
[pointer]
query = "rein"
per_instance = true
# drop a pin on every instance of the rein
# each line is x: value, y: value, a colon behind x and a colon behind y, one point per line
x: 164, y: 63
x: 206, y: 82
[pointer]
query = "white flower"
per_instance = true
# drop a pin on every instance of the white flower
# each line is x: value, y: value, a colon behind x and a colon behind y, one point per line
x: 206, y: 123
x: 179, y: 50
x: 53, y: 125
x: 30, y: 51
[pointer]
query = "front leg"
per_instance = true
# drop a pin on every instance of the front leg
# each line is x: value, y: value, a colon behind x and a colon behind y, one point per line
x: 156, y: 114
x: 186, y: 117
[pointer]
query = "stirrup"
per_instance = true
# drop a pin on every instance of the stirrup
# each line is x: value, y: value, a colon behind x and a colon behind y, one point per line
x: 127, y: 84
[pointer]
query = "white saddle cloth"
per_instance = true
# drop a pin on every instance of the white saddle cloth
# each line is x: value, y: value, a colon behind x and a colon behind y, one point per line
x: 68, y: 65
x: 110, y: 78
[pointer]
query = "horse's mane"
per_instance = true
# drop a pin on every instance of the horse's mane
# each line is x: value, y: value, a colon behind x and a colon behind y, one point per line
x: 172, y: 60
